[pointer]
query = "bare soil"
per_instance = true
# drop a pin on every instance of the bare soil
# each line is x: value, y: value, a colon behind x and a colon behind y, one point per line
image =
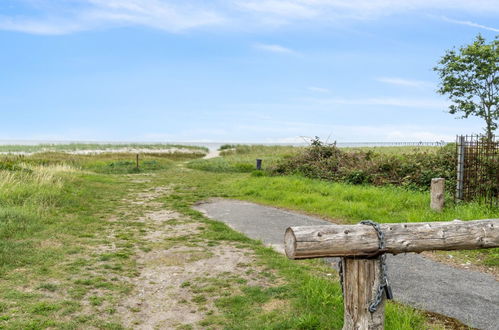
x: 180, y: 274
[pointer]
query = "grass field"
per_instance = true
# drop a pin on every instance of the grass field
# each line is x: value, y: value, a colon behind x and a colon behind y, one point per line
x: 394, y: 150
x: 91, y: 146
x: 72, y: 237
x: 243, y: 158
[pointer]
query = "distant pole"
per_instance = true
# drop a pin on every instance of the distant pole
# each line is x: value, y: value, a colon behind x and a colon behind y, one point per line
x: 137, y: 161
x: 437, y: 194
x: 258, y: 164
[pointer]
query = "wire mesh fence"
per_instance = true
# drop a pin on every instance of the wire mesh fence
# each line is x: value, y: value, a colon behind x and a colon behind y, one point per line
x: 477, y: 169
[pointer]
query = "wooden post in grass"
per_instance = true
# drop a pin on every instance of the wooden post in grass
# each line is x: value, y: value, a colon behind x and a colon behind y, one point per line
x: 258, y: 164
x: 137, y: 161
x: 359, y: 246
x: 437, y: 194
x: 360, y: 280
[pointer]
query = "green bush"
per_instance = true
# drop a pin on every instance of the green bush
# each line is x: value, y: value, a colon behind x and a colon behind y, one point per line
x: 413, y: 170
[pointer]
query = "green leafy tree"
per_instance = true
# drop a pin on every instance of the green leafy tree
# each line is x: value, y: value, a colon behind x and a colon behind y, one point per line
x: 470, y: 78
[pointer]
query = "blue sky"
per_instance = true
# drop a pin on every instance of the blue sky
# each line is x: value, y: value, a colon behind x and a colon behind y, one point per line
x: 230, y: 70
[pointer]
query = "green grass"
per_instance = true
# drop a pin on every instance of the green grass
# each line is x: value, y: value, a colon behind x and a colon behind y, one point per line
x: 243, y: 158
x: 108, y: 163
x: 394, y: 150
x: 309, y: 297
x: 343, y: 203
x: 54, y: 209
x: 92, y: 146
x: 352, y: 203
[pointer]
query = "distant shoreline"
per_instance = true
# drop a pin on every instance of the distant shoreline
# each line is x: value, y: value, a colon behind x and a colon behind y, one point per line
x: 217, y: 145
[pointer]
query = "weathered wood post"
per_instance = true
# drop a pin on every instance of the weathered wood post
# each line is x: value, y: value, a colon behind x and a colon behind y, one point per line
x: 259, y: 164
x: 137, y: 161
x: 361, y: 278
x: 358, y: 245
x: 437, y: 194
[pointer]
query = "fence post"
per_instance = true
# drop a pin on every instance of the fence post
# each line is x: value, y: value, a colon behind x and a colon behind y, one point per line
x: 258, y: 164
x: 437, y: 194
x: 137, y: 161
x: 460, y: 167
x: 360, y: 280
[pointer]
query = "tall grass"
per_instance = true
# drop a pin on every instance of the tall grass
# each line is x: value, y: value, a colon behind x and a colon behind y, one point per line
x: 352, y: 203
x: 94, y: 146
x: 26, y: 196
x: 242, y: 159
x: 109, y: 163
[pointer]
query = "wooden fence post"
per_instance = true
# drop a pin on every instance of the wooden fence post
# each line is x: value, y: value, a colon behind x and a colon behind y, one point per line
x: 137, y: 161
x: 258, y: 164
x: 437, y: 194
x: 361, y: 277
x: 360, y: 245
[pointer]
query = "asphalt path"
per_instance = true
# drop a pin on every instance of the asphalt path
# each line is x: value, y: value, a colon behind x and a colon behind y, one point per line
x: 468, y: 296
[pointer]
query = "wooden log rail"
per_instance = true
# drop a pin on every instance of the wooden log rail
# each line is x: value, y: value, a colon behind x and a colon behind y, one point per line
x: 360, y: 240
x: 358, y: 244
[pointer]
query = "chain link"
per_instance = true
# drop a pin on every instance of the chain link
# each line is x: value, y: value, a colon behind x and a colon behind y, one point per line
x: 383, y: 269
x: 383, y: 282
x: 340, y: 272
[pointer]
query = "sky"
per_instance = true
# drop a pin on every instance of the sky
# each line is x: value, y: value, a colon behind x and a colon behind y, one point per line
x: 232, y: 70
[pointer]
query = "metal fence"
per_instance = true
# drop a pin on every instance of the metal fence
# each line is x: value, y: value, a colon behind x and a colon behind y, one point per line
x: 477, y: 169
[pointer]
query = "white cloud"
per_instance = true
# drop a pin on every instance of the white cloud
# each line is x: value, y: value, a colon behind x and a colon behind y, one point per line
x: 62, y: 17
x: 469, y: 23
x: 274, y: 48
x: 291, y: 9
x: 405, y: 82
x: 92, y: 14
x: 338, y: 10
x: 49, y: 27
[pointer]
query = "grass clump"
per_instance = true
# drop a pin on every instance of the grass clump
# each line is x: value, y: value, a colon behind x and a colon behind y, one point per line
x: 227, y: 146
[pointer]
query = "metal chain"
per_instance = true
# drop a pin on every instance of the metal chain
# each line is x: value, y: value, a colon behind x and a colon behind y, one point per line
x: 340, y: 272
x: 383, y: 285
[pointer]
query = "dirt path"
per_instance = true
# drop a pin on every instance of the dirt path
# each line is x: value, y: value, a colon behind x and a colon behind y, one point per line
x: 212, y: 154
x: 180, y: 273
x: 469, y: 296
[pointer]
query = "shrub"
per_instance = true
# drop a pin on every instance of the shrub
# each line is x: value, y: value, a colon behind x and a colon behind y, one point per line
x: 413, y: 170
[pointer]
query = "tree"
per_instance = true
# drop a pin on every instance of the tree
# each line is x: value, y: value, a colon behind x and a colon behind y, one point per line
x: 470, y: 78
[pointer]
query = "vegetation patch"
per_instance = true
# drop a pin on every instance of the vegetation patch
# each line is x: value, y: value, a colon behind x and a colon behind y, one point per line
x: 79, y: 244
x: 412, y: 170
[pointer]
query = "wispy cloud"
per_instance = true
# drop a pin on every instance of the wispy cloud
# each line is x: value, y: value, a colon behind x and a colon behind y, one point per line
x: 404, y: 82
x: 469, y: 23
x: 386, y: 101
x: 318, y: 89
x: 91, y: 14
x: 274, y: 48
x: 290, y: 9
x: 47, y: 27
x: 60, y: 17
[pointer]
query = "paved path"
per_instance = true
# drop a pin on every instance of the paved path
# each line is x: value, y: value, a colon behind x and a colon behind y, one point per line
x: 471, y: 297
